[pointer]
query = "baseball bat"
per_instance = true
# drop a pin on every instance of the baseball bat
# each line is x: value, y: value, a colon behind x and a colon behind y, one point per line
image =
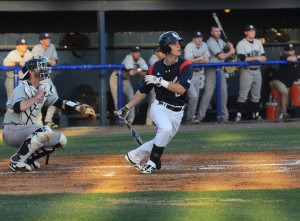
x: 134, y: 134
x: 220, y: 25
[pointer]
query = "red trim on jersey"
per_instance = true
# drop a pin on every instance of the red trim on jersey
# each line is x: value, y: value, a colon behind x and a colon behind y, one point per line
x: 185, y: 63
x: 150, y: 69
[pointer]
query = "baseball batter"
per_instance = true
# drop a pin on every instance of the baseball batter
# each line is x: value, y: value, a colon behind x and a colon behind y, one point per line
x: 15, y: 58
x: 22, y: 110
x: 250, y: 49
x: 46, y: 49
x: 171, y: 78
x: 216, y: 49
x: 134, y: 64
x: 196, y: 52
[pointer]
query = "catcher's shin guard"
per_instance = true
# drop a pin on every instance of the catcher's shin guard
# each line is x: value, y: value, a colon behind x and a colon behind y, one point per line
x: 156, y: 154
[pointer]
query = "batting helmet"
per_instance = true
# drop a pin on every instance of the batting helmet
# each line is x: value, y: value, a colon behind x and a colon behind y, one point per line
x: 167, y: 38
x: 39, y: 62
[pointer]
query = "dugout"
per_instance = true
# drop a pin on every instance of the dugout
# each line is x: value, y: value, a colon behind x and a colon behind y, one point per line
x: 128, y: 23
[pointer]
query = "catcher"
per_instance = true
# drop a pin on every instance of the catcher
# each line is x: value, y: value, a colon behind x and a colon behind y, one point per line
x: 22, y: 110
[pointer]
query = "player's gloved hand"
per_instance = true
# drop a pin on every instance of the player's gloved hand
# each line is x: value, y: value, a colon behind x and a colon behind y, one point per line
x: 150, y: 79
x: 123, y: 112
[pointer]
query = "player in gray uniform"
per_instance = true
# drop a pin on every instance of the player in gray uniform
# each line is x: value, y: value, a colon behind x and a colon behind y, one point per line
x: 46, y: 49
x: 196, y: 52
x: 250, y: 49
x: 134, y: 64
x: 16, y: 57
x: 216, y: 49
x: 23, y: 107
x: 158, y: 55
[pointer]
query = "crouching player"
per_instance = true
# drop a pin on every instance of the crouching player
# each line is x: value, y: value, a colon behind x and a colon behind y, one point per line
x: 22, y: 110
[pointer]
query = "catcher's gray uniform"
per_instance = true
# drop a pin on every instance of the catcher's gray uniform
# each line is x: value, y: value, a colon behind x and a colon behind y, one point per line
x: 192, y: 51
x: 17, y: 127
x: 51, y: 54
x: 215, y: 47
x: 130, y: 64
x: 14, y: 56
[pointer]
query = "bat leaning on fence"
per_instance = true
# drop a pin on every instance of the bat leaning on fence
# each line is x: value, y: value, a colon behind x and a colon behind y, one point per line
x: 134, y: 134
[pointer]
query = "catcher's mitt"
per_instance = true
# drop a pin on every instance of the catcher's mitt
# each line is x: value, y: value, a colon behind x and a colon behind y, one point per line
x: 87, y: 111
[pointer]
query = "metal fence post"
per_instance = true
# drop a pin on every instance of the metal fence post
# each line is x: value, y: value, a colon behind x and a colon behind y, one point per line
x: 218, y: 88
x: 120, y: 94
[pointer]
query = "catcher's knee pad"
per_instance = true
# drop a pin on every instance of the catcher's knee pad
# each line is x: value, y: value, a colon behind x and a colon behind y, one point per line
x: 156, y: 154
x: 62, y: 141
x: 40, y: 136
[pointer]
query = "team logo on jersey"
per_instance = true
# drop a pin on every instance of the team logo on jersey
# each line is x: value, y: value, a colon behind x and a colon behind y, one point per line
x: 158, y: 74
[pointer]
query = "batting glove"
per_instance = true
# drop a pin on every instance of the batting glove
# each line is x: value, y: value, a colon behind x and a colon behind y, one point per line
x: 123, y: 112
x: 150, y: 79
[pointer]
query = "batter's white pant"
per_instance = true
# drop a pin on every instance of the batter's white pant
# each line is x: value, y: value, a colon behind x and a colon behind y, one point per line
x: 167, y: 123
x: 127, y: 90
x: 250, y: 80
x: 150, y: 101
x: 209, y: 88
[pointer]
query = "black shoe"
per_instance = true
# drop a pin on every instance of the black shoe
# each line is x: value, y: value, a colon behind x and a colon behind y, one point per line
x: 285, y: 116
x: 20, y: 167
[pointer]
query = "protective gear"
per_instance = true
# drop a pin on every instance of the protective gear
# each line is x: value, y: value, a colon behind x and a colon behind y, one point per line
x: 123, y: 112
x: 30, y: 145
x: 167, y: 38
x: 87, y: 111
x: 20, y: 166
x: 156, y: 154
x: 39, y: 62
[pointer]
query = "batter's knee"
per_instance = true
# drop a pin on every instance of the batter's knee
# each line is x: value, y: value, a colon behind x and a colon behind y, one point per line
x: 165, y: 131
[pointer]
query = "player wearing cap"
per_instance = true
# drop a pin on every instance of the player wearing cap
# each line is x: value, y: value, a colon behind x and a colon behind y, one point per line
x: 284, y: 78
x: 134, y: 64
x: 250, y: 49
x: 216, y: 48
x: 46, y: 49
x: 196, y: 52
x: 158, y: 55
x: 16, y: 57
x: 170, y: 77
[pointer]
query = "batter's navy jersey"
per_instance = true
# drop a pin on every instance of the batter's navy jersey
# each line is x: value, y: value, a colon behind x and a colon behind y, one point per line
x: 181, y: 72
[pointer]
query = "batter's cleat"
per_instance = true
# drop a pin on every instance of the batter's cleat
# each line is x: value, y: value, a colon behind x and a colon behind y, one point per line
x: 20, y: 167
x: 147, y: 169
x: 138, y: 166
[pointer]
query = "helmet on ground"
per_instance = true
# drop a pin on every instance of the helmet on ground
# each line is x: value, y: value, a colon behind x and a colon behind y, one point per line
x: 167, y: 38
x: 39, y: 62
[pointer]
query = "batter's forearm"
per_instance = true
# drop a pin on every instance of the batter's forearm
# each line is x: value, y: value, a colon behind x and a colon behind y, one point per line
x: 138, y: 97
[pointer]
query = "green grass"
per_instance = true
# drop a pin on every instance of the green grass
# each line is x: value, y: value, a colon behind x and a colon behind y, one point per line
x: 156, y: 206
x: 249, y: 205
x: 253, y: 140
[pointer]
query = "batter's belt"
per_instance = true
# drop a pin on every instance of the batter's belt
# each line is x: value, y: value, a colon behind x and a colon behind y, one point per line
x: 172, y: 107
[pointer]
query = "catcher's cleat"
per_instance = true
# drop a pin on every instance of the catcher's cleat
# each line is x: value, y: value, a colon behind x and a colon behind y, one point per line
x: 16, y: 158
x: 20, y: 167
x: 147, y: 169
x: 138, y: 166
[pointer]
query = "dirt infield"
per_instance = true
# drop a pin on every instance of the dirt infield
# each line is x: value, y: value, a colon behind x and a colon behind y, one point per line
x: 180, y: 172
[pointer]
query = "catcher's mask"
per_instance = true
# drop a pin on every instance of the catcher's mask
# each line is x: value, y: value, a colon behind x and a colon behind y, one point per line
x: 167, y: 38
x: 39, y: 62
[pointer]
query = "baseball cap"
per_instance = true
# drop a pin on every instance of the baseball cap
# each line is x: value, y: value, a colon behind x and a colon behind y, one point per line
x: 135, y: 48
x: 44, y: 36
x: 21, y: 41
x: 249, y: 28
x: 289, y: 47
x: 197, y: 34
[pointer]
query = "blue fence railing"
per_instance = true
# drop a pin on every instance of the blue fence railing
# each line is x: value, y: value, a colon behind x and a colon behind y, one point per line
x: 217, y: 65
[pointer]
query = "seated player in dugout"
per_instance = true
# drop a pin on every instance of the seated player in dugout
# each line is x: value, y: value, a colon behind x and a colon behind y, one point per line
x: 20, y: 127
